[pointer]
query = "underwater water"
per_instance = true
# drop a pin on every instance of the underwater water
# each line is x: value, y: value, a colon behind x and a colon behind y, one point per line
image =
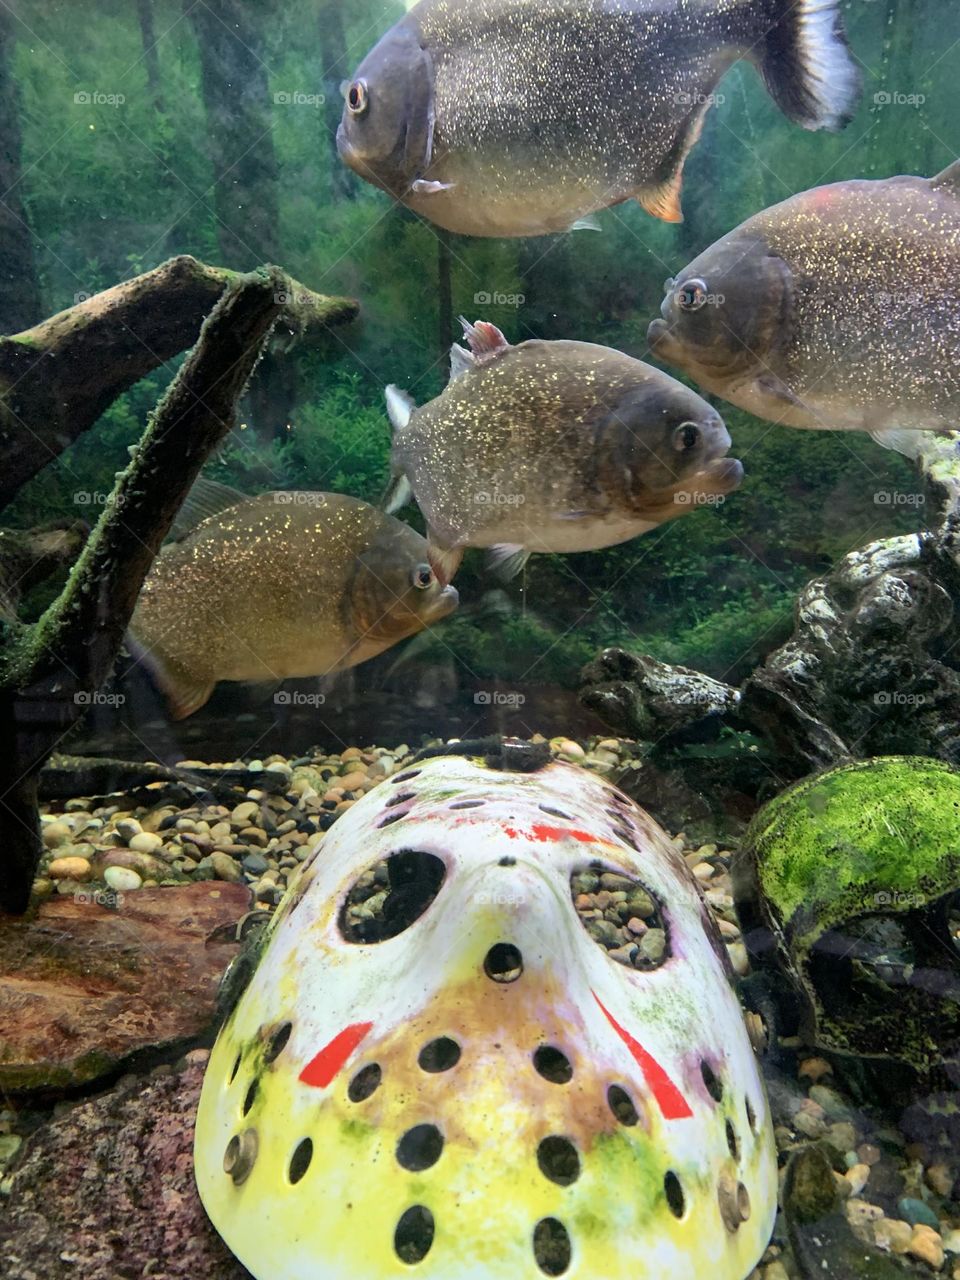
x: 480, y: 487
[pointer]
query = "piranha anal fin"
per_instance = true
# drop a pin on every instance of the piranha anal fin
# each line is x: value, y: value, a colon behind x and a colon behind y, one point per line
x: 444, y: 561
x: 588, y: 223
x: 901, y: 440
x: 400, y: 405
x: 949, y: 179
x: 506, y: 560
x: 485, y: 340
x: 663, y: 201
x: 398, y: 494
x: 184, y: 692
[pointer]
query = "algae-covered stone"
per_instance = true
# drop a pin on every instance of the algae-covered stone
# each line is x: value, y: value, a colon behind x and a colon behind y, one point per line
x: 852, y: 871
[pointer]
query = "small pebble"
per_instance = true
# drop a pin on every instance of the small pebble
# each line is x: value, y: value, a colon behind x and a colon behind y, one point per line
x: 122, y: 879
x: 56, y: 834
x: 917, y: 1213
x: 225, y: 868
x: 893, y: 1235
x: 814, y: 1069
x: 145, y: 842
x: 858, y: 1177
x: 70, y: 868
x: 926, y: 1244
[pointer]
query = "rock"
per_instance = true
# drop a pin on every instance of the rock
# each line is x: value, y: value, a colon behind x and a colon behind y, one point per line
x: 255, y: 863
x: 75, y: 1192
x: 84, y: 985
x: 9, y: 1146
x: 570, y: 749
x: 145, y: 842
x: 926, y: 1245
x: 142, y: 863
x: 940, y: 1178
x: 915, y: 1211
x: 893, y: 1234
x: 738, y: 958
x: 56, y: 834
x: 653, y: 944
x: 224, y: 867
x: 650, y: 700
x: 857, y: 1176
x: 127, y: 828
x: 69, y: 868
x: 814, y: 1069
x: 951, y: 1241
x: 122, y: 879
x: 245, y: 813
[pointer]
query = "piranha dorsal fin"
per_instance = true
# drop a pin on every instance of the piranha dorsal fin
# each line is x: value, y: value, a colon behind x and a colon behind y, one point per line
x: 461, y: 361
x: 484, y: 339
x: 400, y: 406
x: 949, y: 180
x: 206, y: 498
x: 805, y: 62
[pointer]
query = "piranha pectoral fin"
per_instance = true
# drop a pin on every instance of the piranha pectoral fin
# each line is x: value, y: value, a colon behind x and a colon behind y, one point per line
x: 400, y: 406
x: 184, y: 692
x: 444, y: 561
x: 424, y: 188
x: 901, y: 440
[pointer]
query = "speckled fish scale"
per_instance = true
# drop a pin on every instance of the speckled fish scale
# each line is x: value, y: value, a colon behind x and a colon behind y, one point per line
x: 466, y: 1081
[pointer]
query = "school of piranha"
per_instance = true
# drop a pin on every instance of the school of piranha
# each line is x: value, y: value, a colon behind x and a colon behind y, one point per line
x: 434, y: 1068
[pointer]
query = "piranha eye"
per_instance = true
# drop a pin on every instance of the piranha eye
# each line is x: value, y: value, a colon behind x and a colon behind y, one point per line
x: 423, y: 577
x: 692, y: 295
x: 357, y: 98
x: 686, y: 436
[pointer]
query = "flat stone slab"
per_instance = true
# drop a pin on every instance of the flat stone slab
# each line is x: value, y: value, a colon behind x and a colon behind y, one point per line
x: 86, y: 986
x: 106, y: 1190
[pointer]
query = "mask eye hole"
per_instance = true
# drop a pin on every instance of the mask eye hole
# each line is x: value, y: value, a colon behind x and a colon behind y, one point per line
x: 423, y: 577
x: 686, y: 437
x: 358, y: 98
x: 692, y: 295
x: 621, y: 915
x: 389, y: 897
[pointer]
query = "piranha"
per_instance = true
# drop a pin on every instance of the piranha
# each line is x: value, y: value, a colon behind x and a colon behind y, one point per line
x: 440, y: 1068
x: 291, y: 583
x: 552, y: 446
x: 837, y: 309
x: 522, y: 117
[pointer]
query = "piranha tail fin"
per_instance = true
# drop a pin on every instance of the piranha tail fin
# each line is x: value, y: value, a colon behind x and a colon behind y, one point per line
x: 806, y: 62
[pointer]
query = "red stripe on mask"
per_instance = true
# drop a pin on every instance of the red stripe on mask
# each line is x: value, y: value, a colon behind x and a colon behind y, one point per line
x: 670, y: 1100
x: 326, y: 1065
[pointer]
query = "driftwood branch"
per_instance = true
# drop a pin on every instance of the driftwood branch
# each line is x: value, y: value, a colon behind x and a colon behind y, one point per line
x: 57, y: 378
x: 49, y: 670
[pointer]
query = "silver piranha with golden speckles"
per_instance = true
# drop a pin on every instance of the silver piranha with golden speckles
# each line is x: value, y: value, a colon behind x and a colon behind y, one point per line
x: 839, y: 308
x: 287, y: 584
x: 553, y: 446
x: 521, y: 117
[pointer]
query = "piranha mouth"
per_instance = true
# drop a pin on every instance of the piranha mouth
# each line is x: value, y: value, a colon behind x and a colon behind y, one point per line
x: 661, y: 340
x: 724, y: 476
x: 446, y: 602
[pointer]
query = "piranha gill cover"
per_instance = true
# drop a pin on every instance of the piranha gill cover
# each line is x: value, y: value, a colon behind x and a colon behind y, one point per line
x: 438, y: 1069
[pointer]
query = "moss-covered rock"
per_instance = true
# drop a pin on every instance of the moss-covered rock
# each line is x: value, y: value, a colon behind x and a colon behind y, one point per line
x: 854, y: 872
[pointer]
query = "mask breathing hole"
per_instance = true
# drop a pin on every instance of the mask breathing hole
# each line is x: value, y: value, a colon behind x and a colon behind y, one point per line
x: 365, y: 1082
x: 239, y: 1157
x: 467, y: 804
x: 621, y: 915
x: 503, y: 962
x: 420, y: 1147
x: 621, y: 1104
x: 713, y: 1085
x: 439, y: 1055
x: 732, y: 1143
x: 399, y: 891
x: 751, y: 1115
x: 405, y: 777
x: 553, y: 1064
x: 558, y: 1160
x: 250, y: 1098
x: 414, y: 1234
x: 300, y: 1160
x: 277, y: 1041
x: 400, y: 798
x: 555, y: 813
x: 672, y: 1189
x: 551, y: 1246
x: 235, y: 1068
x: 391, y: 817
